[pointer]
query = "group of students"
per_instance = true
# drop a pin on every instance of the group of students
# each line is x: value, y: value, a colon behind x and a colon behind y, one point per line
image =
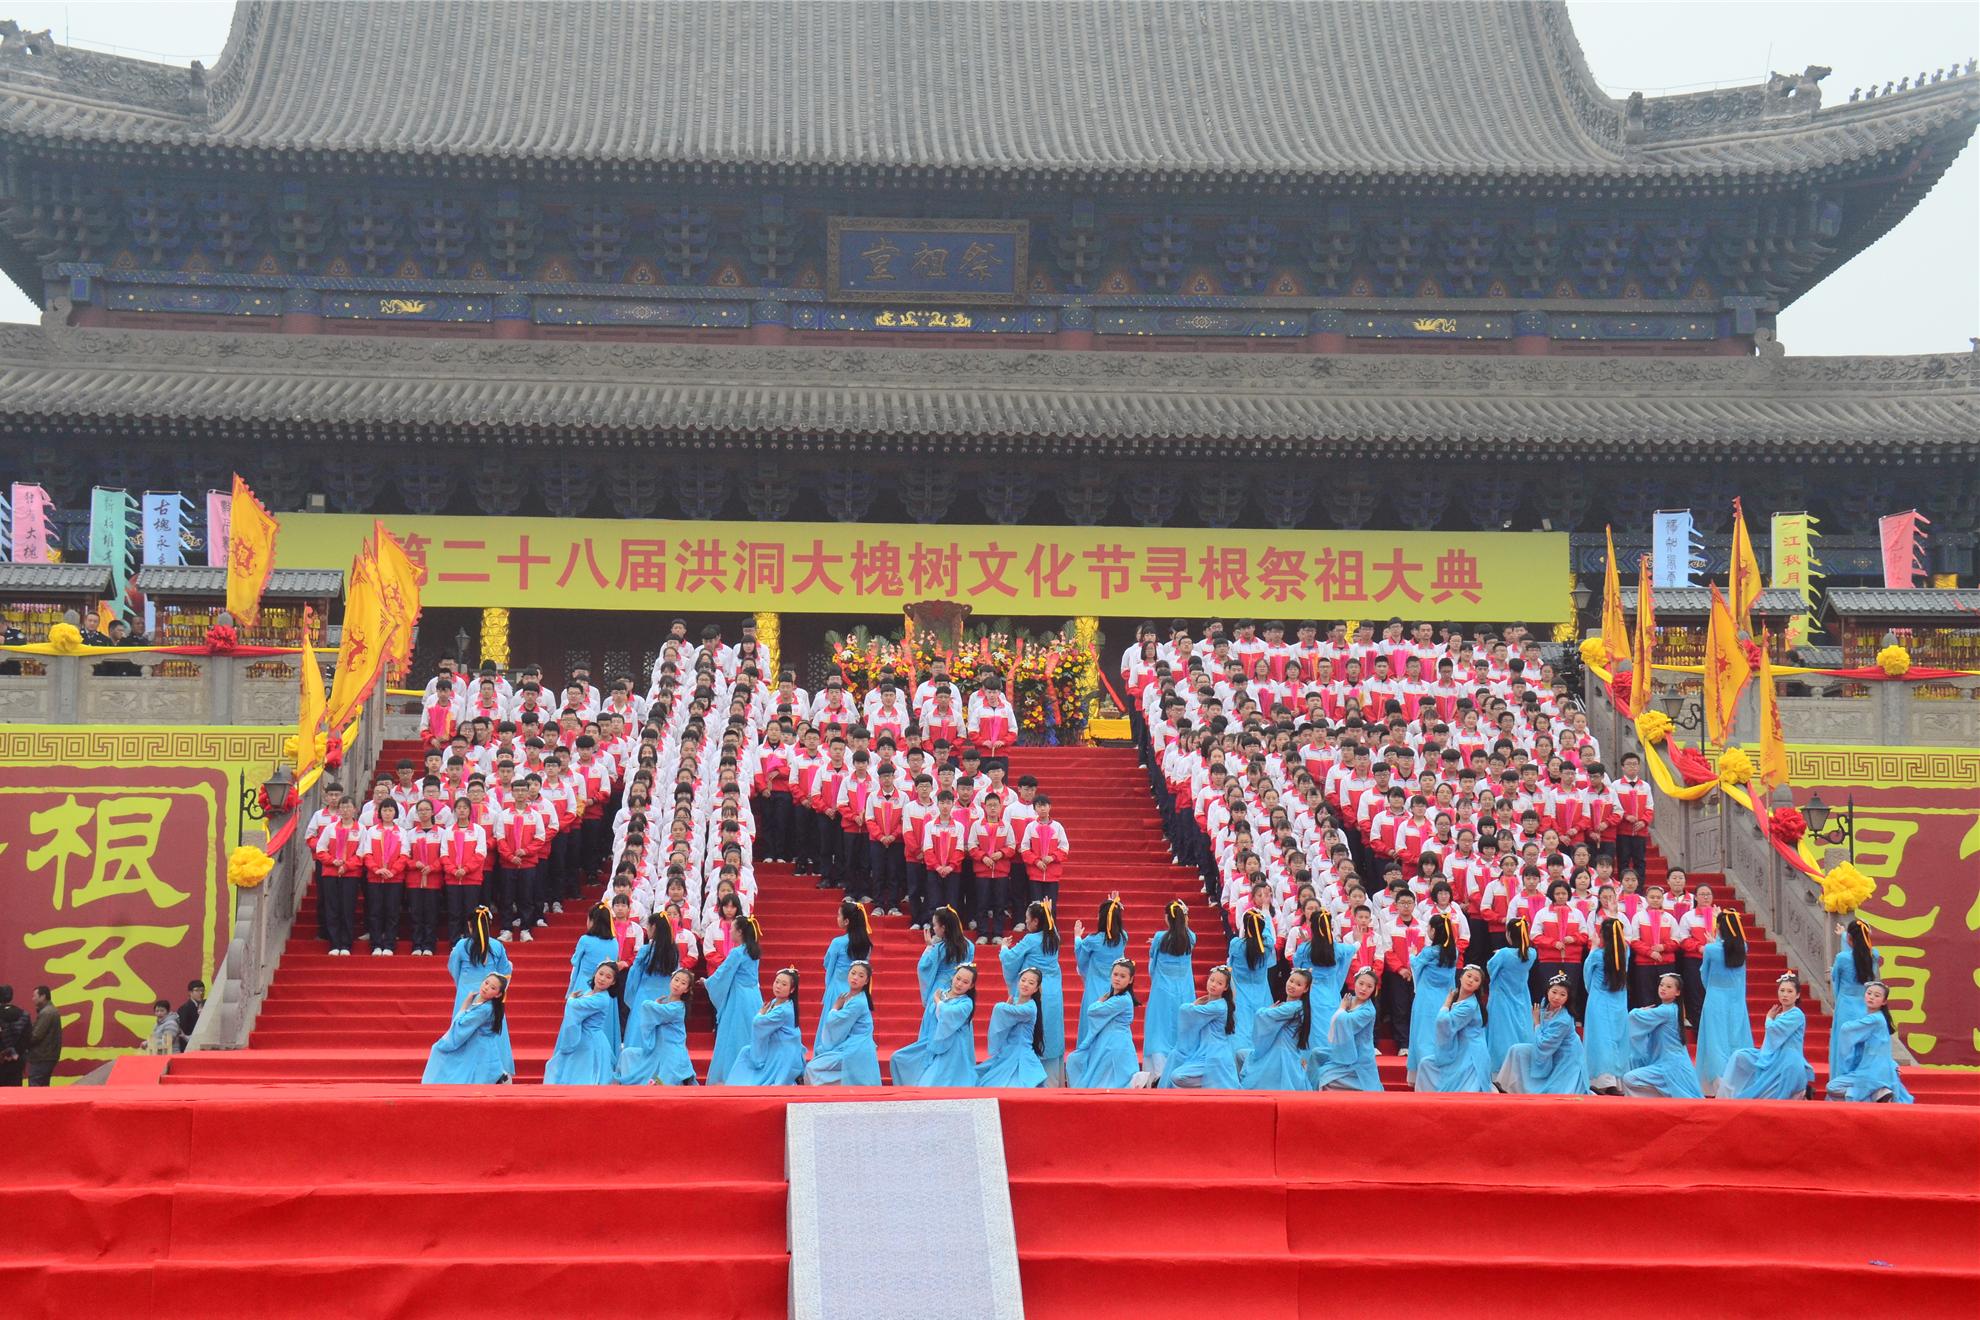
x: 1480, y: 1031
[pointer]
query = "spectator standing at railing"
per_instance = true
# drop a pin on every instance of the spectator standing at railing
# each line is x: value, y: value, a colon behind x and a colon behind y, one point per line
x: 16, y: 1029
x: 45, y: 1043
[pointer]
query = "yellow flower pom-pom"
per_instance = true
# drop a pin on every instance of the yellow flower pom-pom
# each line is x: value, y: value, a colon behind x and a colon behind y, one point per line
x: 1845, y: 889
x: 66, y: 639
x: 1653, y: 726
x: 1735, y: 767
x: 248, y: 866
x: 1895, y: 661
x: 1595, y: 653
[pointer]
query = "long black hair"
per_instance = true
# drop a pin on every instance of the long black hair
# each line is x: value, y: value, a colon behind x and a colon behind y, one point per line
x: 1037, y: 1010
x: 1732, y: 937
x: 663, y: 955
x: 1230, y: 996
x: 1175, y: 941
x: 1320, y: 939
x: 1443, y: 936
x: 1112, y: 929
x: 1615, y: 965
x: 1254, y: 939
x: 1129, y: 992
x: 1861, y: 954
x: 477, y: 936
x: 1518, y: 936
x: 1304, y: 1032
x: 751, y: 935
x: 859, y: 930
x: 797, y: 1010
x: 1483, y: 996
x: 1048, y: 930
x: 949, y: 929
x: 498, y: 1008
x: 600, y: 923
x: 866, y: 989
x: 1889, y: 1025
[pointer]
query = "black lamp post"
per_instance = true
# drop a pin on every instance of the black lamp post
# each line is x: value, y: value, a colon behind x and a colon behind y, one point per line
x: 274, y: 790
x: 1818, y: 814
x: 1581, y: 595
x: 461, y: 648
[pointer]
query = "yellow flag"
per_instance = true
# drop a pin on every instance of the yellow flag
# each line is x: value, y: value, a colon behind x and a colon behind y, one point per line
x: 1744, y: 579
x: 398, y: 593
x: 1615, y: 632
x: 1773, y: 742
x: 1646, y: 641
x: 309, y: 714
x: 250, y: 554
x: 361, y: 652
x: 1726, y: 670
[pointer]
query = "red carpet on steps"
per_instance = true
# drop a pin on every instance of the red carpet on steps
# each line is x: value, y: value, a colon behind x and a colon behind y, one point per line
x: 363, y: 1019
x: 376, y: 1200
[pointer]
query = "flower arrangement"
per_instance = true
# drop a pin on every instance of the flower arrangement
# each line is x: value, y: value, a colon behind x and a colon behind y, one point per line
x: 1653, y: 726
x: 1845, y: 889
x: 248, y: 866
x: 1787, y: 826
x: 292, y: 750
x: 1052, y: 677
x: 1620, y: 687
x: 221, y: 638
x: 1735, y: 767
x: 333, y: 751
x: 1751, y: 649
x: 1595, y: 653
x: 65, y: 639
x: 1692, y: 766
x: 1893, y: 660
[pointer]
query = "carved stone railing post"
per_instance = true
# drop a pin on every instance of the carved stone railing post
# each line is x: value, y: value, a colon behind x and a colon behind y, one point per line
x: 65, y: 675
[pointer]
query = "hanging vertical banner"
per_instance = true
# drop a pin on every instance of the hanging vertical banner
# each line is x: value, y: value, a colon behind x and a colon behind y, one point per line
x: 219, y: 512
x: 1671, y: 548
x: 31, y: 526
x: 1727, y: 671
x: 251, y: 533
x: 112, y: 519
x: 164, y: 527
x: 1796, y: 568
x: 1904, y: 545
x: 1743, y: 579
x: 1615, y: 633
x: 1645, y: 645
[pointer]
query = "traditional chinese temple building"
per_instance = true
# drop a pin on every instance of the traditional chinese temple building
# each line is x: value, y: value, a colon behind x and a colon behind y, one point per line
x: 1349, y: 265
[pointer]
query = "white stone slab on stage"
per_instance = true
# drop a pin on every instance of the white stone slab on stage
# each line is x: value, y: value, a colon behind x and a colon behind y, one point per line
x: 900, y: 1211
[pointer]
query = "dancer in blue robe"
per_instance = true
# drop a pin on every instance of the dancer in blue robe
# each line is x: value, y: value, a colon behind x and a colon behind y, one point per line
x: 1605, y: 1018
x: 1171, y: 984
x: 1252, y: 956
x: 1105, y: 1057
x: 597, y: 945
x: 1869, y: 1069
x: 1779, y: 1069
x: 1281, y: 1035
x: 1095, y: 955
x: 475, y: 955
x: 1459, y: 1061
x: 475, y: 1049
x: 656, y: 1052
x: 1039, y: 950
x: 737, y: 995
x: 944, y: 1054
x: 1554, y: 1063
x: 1348, y: 1062
x: 1016, y: 1038
x: 856, y: 945
x: 1434, y: 968
x: 1205, y: 1051
x: 1509, y: 973
x: 775, y: 1053
x: 1326, y: 957
x: 845, y: 1055
x: 1856, y: 965
x: 653, y: 966
x: 1656, y: 1047
x: 585, y: 1054
x: 1725, y: 1024
x: 948, y: 948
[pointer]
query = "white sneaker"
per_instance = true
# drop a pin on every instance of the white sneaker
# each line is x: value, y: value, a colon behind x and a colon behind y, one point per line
x: 378, y: 953
x: 505, y: 935
x: 554, y: 907
x: 384, y: 953
x: 528, y: 938
x: 541, y: 922
x: 365, y: 939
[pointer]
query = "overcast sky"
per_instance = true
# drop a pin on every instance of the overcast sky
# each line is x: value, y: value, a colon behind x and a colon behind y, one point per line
x: 1916, y: 291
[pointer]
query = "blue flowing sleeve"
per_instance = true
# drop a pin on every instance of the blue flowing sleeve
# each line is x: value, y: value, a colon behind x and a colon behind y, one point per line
x: 469, y: 1023
x: 723, y: 977
x: 1421, y: 959
x: 1554, y: 1033
x: 1087, y: 953
x: 457, y: 960
x: 953, y: 1016
x: 1012, y: 959
x: 769, y: 1025
x: 924, y: 969
x: 1851, y: 1038
x: 498, y: 959
x: 1456, y: 1018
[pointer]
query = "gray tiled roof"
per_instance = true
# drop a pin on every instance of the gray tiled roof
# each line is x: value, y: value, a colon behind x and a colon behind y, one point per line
x: 1876, y: 408
x: 1913, y: 602
x: 1359, y: 88
x: 37, y: 581
x: 199, y: 580
x: 1696, y: 602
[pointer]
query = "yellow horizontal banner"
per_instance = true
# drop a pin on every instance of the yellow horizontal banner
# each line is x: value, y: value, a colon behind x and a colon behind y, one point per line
x: 867, y: 568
